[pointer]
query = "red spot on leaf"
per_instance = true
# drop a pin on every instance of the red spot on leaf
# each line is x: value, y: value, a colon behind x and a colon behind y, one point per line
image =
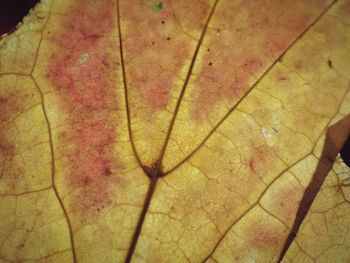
x: 265, y: 236
x: 242, y: 50
x: 260, y: 159
x: 287, y: 202
x: 82, y: 68
x: 11, y: 173
x: 151, y: 76
x: 11, y: 105
x: 7, y: 148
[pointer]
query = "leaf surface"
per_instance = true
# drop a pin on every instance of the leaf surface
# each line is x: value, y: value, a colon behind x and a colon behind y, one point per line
x: 176, y: 131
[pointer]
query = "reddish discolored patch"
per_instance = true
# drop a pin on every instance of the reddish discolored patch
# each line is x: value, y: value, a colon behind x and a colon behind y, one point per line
x: 82, y: 68
x: 6, y: 107
x: 11, y: 173
x: 346, y: 7
x: 287, y: 202
x: 184, y: 9
x: 249, y: 36
x: 156, y: 48
x: 264, y: 236
x: 7, y: 148
x: 261, y: 159
x: 9, y: 106
x: 158, y: 96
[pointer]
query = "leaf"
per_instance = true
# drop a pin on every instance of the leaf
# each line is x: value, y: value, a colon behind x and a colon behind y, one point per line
x: 176, y: 131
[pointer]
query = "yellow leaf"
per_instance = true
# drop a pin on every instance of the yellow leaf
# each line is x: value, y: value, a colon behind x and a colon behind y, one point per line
x: 176, y: 131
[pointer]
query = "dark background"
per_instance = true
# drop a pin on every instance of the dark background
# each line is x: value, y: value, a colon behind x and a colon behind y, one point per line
x: 12, y: 12
x: 345, y: 152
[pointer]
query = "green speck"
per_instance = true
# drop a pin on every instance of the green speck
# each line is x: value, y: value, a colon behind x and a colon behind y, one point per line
x: 159, y: 6
x: 156, y: 5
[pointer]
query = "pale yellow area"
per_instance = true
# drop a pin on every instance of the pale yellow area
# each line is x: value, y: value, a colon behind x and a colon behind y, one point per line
x: 25, y: 153
x: 32, y: 226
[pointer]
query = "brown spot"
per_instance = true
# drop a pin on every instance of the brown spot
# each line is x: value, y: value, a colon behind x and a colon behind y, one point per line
x: 330, y: 63
x: 107, y: 171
